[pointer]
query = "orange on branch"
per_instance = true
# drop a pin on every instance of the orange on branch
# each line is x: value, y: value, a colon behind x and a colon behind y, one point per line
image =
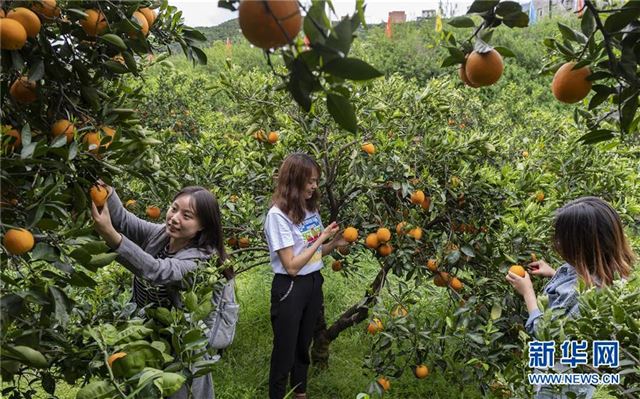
x: 46, y: 8
x: 23, y: 90
x: 350, y: 234
x: 432, y: 265
x: 336, y: 266
x: 27, y: 18
x: 369, y: 148
x: 441, y: 279
x: 374, y: 326
x: 456, y: 284
x: 149, y: 15
x: 383, y: 234
x: 18, y: 241
x: 98, y: 195
x: 421, y: 371
x: 399, y: 311
x: 115, y: 356
x: 273, y: 137
x: 484, y: 69
x: 269, y: 23
x: 569, y: 85
x: 384, y: 383
x: 144, y: 25
x: 372, y: 241
x: 417, y: 197
x: 243, y: 242
x: 385, y: 249
x: 14, y: 143
x: 519, y: 270
x: 65, y: 127
x: 416, y: 233
x: 153, y: 212
x: 95, y: 23
x: 400, y: 228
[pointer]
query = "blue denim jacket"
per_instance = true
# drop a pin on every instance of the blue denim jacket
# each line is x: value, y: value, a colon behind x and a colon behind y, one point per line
x: 562, y: 293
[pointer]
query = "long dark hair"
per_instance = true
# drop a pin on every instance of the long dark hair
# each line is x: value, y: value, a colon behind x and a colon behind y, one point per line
x: 293, y: 176
x: 207, y: 211
x: 589, y: 236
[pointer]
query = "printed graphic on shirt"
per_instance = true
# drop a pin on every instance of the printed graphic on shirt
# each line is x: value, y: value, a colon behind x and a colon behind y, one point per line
x: 310, y: 230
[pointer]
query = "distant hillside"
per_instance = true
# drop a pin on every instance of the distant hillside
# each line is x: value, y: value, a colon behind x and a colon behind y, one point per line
x: 229, y: 29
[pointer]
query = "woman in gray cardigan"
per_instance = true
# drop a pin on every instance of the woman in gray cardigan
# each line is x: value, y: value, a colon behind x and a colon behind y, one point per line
x: 161, y: 255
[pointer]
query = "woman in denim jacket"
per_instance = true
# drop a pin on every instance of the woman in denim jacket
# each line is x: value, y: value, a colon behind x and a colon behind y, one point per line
x: 590, y: 239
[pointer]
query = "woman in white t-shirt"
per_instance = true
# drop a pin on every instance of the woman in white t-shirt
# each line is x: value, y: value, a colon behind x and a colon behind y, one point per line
x: 297, y: 241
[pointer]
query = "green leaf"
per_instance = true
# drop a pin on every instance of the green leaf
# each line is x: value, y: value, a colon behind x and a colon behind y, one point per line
x: 461, y: 22
x: 628, y: 113
x: 351, y: 68
x: 505, y: 52
x: 96, y: 390
x: 342, y: 112
x: 36, y: 72
x: 597, y: 136
x: 26, y: 355
x: 451, y: 60
x: 62, y: 305
x: 517, y: 20
x: 620, y: 19
x: 480, y: 6
x: 102, y: 260
x: 588, y: 22
x: 170, y: 383
x: 44, y: 251
x: 505, y: 8
x: 114, y: 40
x: 496, y: 311
x: 467, y: 250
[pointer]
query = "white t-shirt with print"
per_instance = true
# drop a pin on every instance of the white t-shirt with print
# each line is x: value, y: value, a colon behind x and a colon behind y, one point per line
x: 281, y: 233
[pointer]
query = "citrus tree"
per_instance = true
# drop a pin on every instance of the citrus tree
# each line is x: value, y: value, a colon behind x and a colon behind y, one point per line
x: 69, y: 117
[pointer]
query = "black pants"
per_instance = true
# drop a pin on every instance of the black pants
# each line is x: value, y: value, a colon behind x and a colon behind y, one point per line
x: 295, y: 306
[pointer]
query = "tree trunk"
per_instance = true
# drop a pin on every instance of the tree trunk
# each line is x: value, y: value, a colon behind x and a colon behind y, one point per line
x: 323, y: 336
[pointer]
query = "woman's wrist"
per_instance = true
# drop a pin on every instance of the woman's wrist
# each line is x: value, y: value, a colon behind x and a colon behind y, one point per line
x: 531, y: 301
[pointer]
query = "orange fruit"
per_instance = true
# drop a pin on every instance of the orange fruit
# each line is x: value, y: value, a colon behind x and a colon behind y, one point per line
x: 14, y: 143
x: 269, y: 23
x: 149, y: 15
x: 273, y: 137
x: 417, y: 197
x: 114, y: 357
x: 441, y: 279
x: 456, y: 284
x: 65, y: 127
x: 525, y: 154
x: 374, y: 326
x: 400, y: 228
x: 98, y: 195
x: 344, y: 250
x: 336, y: 266
x: 243, y: 242
x: 142, y: 21
x: 432, y: 265
x: 92, y: 141
x: 421, y: 371
x: 383, y: 234
x: 18, y: 241
x: 350, y: 234
x: 462, y: 73
x: 95, y: 23
x: 519, y: 270
x: 372, y: 241
x: 399, y: 311
x: 540, y: 196
x: 232, y: 242
x: 385, y: 250
x: 426, y: 204
x: 484, y: 69
x: 46, y: 8
x: 131, y: 203
x: 153, y: 212
x: 109, y: 132
x: 22, y: 90
x: 27, y: 18
x: 13, y: 35
x: 384, y: 383
x: 369, y: 148
x: 569, y: 85
x: 416, y: 233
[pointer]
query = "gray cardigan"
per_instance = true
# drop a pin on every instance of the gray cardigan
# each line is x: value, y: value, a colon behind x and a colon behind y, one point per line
x: 141, y: 242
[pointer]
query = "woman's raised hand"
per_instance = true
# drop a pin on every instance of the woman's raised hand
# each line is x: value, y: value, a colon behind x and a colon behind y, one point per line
x: 329, y: 231
x: 541, y: 268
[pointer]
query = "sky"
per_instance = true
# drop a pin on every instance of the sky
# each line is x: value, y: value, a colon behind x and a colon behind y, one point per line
x: 207, y: 13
